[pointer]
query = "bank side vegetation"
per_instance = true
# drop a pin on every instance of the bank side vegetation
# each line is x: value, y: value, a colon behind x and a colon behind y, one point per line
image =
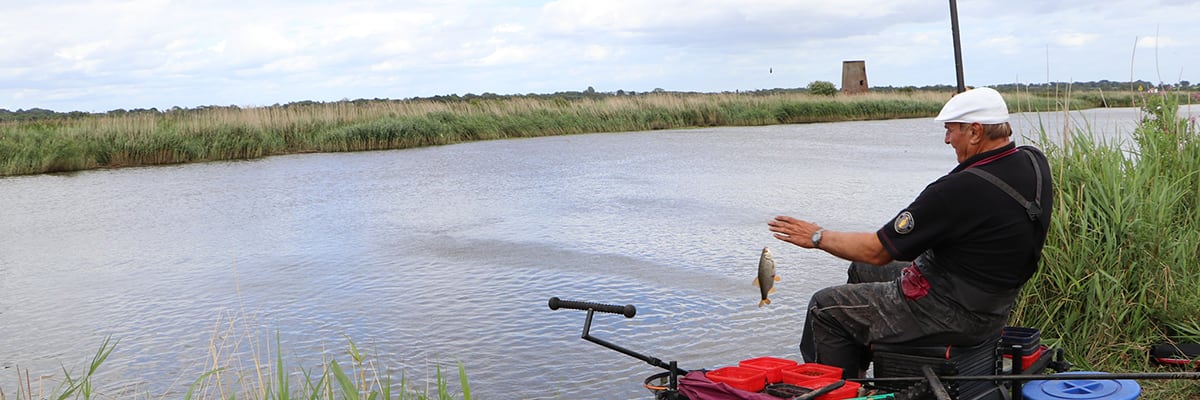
x: 244, y: 363
x: 44, y: 142
x: 1121, y: 266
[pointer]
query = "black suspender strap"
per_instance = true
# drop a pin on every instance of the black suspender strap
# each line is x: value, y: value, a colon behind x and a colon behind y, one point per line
x: 1033, y: 208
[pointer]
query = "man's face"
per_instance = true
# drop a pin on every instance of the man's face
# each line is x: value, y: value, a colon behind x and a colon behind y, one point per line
x: 958, y: 135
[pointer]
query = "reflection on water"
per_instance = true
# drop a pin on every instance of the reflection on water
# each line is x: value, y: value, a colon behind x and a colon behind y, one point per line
x: 448, y: 254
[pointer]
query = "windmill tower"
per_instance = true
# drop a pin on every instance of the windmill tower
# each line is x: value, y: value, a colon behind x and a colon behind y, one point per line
x: 854, y: 77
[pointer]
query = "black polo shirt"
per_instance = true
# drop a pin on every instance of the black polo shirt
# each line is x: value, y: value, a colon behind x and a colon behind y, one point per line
x: 976, y: 230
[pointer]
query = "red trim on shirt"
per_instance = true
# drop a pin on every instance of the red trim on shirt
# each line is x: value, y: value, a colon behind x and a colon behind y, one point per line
x: 988, y: 160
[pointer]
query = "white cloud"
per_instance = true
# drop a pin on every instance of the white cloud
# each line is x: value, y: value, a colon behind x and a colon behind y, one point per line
x: 597, y: 52
x: 291, y: 64
x: 260, y: 41
x: 388, y: 66
x: 505, y: 55
x: 1150, y: 42
x: 1006, y: 44
x: 337, y: 27
x: 80, y: 52
x: 508, y: 28
x: 575, y: 15
x: 1075, y: 39
x: 775, y: 21
x: 396, y: 46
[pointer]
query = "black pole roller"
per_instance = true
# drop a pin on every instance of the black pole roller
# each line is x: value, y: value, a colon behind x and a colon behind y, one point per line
x: 627, y: 310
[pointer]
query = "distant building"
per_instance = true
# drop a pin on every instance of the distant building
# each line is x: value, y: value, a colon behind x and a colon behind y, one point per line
x: 854, y: 77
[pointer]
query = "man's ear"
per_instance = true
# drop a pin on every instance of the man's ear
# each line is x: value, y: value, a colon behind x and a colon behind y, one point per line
x: 976, y: 131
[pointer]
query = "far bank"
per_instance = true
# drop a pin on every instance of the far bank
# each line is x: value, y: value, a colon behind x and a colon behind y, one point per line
x: 228, y: 133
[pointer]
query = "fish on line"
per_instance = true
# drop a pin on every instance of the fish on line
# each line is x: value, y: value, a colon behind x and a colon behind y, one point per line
x: 766, y: 276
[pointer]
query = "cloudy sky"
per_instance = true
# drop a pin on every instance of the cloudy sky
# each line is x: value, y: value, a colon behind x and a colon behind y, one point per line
x: 99, y: 55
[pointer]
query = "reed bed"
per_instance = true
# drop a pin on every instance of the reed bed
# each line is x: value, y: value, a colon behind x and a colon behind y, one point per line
x: 228, y: 133
x: 242, y: 365
x: 1120, y: 269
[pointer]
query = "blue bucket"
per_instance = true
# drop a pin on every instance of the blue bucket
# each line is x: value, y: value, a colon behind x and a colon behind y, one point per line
x: 1082, y: 389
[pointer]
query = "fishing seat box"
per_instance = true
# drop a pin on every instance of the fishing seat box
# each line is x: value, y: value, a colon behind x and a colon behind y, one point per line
x: 893, y: 360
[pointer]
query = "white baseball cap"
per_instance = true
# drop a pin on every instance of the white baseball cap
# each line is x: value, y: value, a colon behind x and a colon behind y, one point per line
x: 982, y: 105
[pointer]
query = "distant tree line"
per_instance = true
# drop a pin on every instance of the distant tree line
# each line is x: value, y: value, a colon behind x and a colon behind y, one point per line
x: 817, y: 87
x: 36, y: 114
x: 1104, y: 85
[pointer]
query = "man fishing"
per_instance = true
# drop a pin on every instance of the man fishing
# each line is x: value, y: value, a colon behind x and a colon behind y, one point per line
x: 975, y: 237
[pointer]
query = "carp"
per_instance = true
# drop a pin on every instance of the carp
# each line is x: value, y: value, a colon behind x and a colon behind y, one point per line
x: 766, y: 276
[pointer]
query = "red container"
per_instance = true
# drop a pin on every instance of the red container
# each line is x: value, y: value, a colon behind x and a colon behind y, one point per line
x: 771, y: 365
x: 748, y: 379
x: 1028, y: 360
x: 802, y: 373
x: 847, y: 391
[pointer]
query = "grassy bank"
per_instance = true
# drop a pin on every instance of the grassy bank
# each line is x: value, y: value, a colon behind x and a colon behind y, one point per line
x: 227, y: 133
x: 1121, y: 267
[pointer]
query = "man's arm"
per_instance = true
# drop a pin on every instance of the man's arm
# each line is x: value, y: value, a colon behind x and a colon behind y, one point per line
x: 852, y: 246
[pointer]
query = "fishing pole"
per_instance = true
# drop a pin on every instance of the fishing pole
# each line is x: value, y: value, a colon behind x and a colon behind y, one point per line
x: 958, y: 63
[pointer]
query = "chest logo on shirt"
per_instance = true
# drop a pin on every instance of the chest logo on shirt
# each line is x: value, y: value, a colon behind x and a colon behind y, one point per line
x: 904, y: 223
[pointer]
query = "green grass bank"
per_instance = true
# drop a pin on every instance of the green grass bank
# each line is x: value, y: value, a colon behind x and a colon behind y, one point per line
x: 229, y: 133
x: 1121, y: 266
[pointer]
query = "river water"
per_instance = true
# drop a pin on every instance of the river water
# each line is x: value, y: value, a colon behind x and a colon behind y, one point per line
x: 426, y: 258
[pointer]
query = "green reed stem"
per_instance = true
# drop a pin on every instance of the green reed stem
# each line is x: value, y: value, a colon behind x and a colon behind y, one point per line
x: 333, y: 382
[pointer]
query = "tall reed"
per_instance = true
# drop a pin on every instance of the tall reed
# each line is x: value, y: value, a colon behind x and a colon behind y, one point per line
x: 241, y: 366
x: 224, y: 133
x: 1120, y: 270
x: 70, y: 387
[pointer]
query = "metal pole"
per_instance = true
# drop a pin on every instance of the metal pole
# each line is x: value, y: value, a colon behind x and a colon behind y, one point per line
x: 935, y: 384
x: 958, y: 63
x: 587, y: 326
x: 1096, y: 376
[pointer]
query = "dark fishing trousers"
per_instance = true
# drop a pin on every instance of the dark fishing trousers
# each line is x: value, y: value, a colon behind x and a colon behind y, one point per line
x: 843, y: 320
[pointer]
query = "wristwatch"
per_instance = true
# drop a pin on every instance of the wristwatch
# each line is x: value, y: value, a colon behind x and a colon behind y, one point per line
x: 816, y: 238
